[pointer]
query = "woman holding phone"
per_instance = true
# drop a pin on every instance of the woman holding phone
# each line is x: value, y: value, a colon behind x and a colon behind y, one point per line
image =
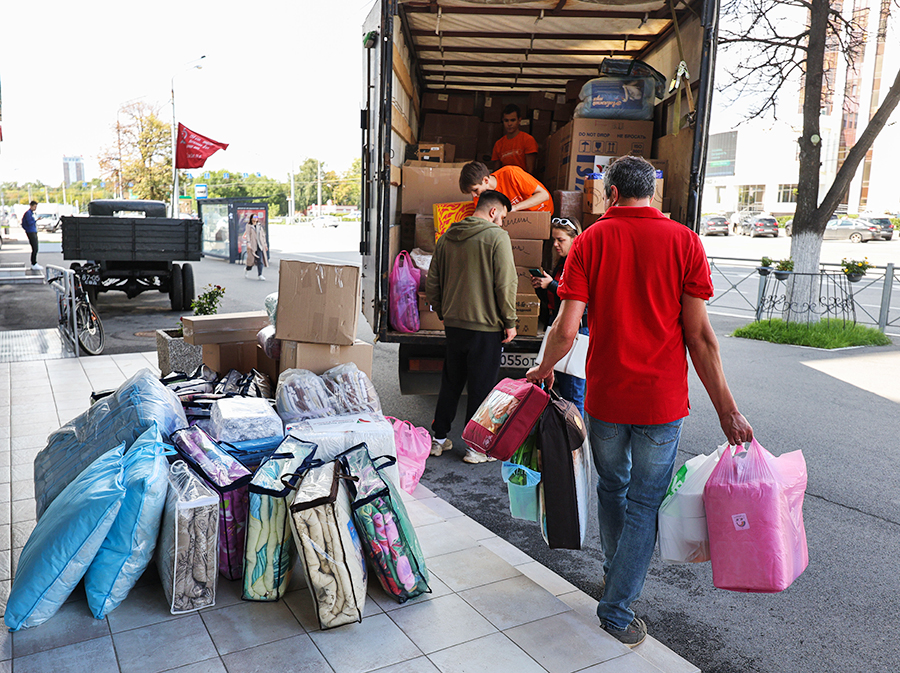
x: 563, y: 231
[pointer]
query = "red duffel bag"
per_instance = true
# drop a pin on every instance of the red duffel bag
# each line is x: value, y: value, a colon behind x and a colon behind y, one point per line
x: 505, y: 418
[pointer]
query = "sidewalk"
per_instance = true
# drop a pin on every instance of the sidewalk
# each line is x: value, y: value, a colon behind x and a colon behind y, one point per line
x: 492, y: 607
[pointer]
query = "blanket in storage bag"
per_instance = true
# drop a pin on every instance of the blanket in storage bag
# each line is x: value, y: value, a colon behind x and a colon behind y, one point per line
x: 389, y: 540
x: 270, y: 553
x: 186, y: 551
x: 228, y: 477
x: 330, y: 549
x: 120, y: 417
x: 505, y: 417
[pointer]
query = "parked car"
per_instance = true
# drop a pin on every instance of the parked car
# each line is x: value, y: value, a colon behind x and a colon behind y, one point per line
x: 325, y: 221
x: 856, y: 230
x: 713, y: 224
x: 883, y: 223
x: 760, y: 225
x: 789, y: 227
x: 47, y: 221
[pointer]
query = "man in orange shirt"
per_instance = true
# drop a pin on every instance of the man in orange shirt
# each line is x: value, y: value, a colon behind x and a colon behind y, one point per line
x: 523, y: 191
x: 516, y: 148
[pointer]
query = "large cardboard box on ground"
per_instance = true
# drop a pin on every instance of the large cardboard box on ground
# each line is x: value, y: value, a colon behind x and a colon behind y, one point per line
x: 428, y: 319
x: 530, y: 224
x: 223, y: 357
x: 425, y: 184
x: 528, y: 304
x: 527, y: 252
x: 571, y: 150
x: 223, y: 327
x: 425, y: 232
x: 318, y: 303
x: 319, y: 358
x: 527, y: 325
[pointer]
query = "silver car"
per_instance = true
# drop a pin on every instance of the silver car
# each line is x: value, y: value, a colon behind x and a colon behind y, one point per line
x: 761, y: 225
x: 713, y: 224
x: 883, y: 223
x: 855, y: 230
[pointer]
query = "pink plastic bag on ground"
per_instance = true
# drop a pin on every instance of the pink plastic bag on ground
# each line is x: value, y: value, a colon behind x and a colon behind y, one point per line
x: 403, y: 286
x: 754, y: 513
x: 413, y: 446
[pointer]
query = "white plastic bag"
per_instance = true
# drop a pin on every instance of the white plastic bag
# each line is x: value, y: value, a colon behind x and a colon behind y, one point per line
x: 574, y: 362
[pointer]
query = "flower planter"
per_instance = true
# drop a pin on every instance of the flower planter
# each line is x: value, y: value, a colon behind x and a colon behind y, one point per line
x: 763, y: 270
x: 854, y: 277
x: 174, y: 355
x: 782, y: 275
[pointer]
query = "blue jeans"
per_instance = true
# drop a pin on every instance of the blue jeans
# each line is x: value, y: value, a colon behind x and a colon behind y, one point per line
x: 634, y: 464
x: 571, y: 387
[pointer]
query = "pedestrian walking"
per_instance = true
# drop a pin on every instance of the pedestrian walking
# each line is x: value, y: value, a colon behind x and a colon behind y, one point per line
x: 29, y: 224
x: 257, y: 247
x: 472, y: 286
x: 645, y: 280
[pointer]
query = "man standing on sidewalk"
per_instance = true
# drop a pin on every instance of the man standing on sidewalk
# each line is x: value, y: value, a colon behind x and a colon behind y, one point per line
x: 472, y: 287
x: 29, y: 224
x: 645, y: 280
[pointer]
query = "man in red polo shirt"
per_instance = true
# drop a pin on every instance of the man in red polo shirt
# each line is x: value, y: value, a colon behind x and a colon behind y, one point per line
x: 645, y: 281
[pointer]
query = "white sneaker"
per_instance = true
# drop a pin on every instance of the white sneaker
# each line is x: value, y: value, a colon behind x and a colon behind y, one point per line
x: 37, y: 267
x: 437, y: 448
x: 262, y: 277
x: 474, y: 457
x: 246, y: 274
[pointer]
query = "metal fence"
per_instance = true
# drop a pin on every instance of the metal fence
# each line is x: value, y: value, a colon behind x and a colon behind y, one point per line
x: 743, y: 292
x: 63, y: 283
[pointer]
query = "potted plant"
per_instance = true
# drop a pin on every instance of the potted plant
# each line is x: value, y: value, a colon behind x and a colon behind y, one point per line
x: 172, y: 352
x: 784, y: 268
x: 765, y: 266
x: 854, y: 269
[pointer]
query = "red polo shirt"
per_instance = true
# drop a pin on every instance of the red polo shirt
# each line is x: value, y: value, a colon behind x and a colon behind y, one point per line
x: 632, y: 267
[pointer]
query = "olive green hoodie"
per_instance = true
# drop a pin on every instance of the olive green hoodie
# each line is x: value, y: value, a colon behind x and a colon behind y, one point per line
x: 472, y: 280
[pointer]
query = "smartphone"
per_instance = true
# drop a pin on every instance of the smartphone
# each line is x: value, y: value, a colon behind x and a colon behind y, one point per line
x: 537, y: 273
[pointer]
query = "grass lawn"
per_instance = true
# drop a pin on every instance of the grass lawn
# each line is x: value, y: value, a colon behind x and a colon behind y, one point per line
x: 824, y: 334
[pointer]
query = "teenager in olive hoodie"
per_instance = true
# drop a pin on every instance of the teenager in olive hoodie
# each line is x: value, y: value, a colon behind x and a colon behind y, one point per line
x: 472, y: 287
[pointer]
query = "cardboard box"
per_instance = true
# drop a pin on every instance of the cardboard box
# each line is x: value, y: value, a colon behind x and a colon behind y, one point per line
x: 447, y: 214
x: 527, y: 325
x: 318, y: 303
x: 528, y: 304
x: 571, y: 150
x: 524, y: 286
x: 530, y: 224
x: 267, y: 365
x: 223, y: 327
x: 493, y: 109
x: 445, y: 128
x: 527, y: 252
x: 564, y: 109
x: 425, y: 232
x: 428, y: 319
x: 319, y: 358
x: 435, y: 102
x: 223, y: 357
x: 488, y: 135
x: 396, y: 176
x: 594, y: 196
x: 425, y: 184
x: 436, y: 152
x: 573, y: 87
x: 587, y: 219
x: 461, y: 105
x: 567, y: 204
x: 541, y: 100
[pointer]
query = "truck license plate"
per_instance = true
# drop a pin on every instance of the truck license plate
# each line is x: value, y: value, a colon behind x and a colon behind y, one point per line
x: 518, y: 360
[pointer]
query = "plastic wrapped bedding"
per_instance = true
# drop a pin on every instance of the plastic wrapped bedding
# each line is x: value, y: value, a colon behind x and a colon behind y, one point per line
x: 351, y: 390
x: 271, y: 304
x: 333, y: 436
x: 301, y: 395
x: 186, y: 551
x: 388, y: 538
x: 229, y: 478
x: 270, y: 345
x: 120, y: 417
x: 270, y: 553
x: 237, y: 419
x: 330, y: 550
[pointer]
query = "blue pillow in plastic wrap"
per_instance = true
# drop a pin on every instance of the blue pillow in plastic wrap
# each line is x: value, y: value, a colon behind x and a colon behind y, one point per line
x: 617, y: 98
x: 64, y: 542
x: 129, y: 545
x: 120, y: 417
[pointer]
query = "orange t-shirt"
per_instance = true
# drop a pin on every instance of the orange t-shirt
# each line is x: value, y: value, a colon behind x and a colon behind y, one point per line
x: 512, y: 152
x: 517, y: 185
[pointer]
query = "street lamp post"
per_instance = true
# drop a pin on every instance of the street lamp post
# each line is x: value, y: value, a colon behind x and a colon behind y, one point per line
x: 193, y: 65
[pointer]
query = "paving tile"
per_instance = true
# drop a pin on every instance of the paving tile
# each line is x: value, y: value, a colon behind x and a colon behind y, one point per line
x: 209, y: 666
x: 73, y: 623
x: 5, y: 472
x: 21, y: 530
x: 89, y: 656
x: 6, y: 493
x: 186, y: 642
x: 470, y: 568
x: 5, y: 586
x: 23, y: 510
x: 441, y: 507
x: 442, y: 538
x: 627, y: 663
x: 249, y: 624
x: 5, y: 644
x: 25, y: 457
x: 663, y: 658
x: 440, y: 623
x: 25, y: 428
x: 548, y: 579
x: 297, y: 653
x: 566, y: 642
x: 512, y: 602
x: 228, y: 592
x: 23, y: 489
x: 417, y: 665
x: 5, y: 537
x: 494, y: 653
x: 301, y: 604
x: 143, y: 606
x: 16, y: 553
x: 472, y: 528
x: 5, y: 510
x: 580, y: 602
x: 356, y: 648
x: 420, y: 515
x: 6, y: 570
x: 388, y: 603
x: 421, y: 492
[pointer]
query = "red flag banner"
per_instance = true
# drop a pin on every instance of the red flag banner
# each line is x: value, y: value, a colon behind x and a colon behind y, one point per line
x: 193, y: 149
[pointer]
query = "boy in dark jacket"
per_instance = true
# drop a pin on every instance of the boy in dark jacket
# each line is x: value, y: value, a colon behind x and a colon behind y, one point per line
x: 472, y: 287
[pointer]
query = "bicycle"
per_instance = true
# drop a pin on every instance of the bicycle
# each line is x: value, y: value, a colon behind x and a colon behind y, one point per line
x: 88, y: 328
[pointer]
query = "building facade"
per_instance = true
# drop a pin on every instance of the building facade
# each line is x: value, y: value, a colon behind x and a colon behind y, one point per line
x: 73, y: 170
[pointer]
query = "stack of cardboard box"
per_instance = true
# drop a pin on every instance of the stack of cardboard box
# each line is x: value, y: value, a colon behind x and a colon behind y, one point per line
x: 528, y: 231
x: 228, y: 341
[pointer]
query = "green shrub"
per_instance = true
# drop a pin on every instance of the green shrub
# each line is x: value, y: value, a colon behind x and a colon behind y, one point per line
x: 896, y: 222
x: 828, y: 333
x: 783, y: 219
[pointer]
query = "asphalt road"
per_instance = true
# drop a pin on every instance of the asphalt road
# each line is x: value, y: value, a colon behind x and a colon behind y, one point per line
x: 840, y: 615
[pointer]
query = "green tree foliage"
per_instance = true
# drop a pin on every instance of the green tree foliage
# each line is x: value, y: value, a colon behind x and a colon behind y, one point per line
x: 347, y: 192
x: 140, y: 156
x: 236, y: 185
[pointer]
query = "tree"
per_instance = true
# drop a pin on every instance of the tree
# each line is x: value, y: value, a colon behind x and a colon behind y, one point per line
x: 347, y: 191
x: 140, y: 158
x: 235, y: 185
x: 306, y: 184
x: 774, y: 53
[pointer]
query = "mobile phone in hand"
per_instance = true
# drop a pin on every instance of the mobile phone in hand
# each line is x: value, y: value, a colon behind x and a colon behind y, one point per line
x: 537, y: 273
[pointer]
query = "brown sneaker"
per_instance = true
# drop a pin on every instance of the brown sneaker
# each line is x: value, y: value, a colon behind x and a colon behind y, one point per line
x: 631, y: 636
x: 437, y: 448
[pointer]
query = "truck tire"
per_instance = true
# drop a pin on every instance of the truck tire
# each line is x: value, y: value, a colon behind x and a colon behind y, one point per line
x: 176, y: 291
x: 187, y: 283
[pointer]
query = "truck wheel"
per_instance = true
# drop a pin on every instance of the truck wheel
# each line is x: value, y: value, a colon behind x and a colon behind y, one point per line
x: 176, y: 292
x: 187, y: 282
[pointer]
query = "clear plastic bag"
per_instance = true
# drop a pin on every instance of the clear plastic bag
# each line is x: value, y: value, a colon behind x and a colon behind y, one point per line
x: 216, y: 463
x: 413, y: 448
x: 351, y: 390
x: 236, y: 419
x: 271, y: 304
x: 301, y: 395
x: 403, y: 288
x: 270, y: 345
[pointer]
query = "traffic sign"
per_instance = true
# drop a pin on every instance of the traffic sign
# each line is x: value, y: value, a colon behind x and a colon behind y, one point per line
x: 200, y: 192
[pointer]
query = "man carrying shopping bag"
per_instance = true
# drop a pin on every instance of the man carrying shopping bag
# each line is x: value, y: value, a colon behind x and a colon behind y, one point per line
x: 645, y: 280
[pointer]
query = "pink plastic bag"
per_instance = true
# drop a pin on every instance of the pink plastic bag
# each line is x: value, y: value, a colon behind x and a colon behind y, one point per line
x: 413, y: 446
x: 754, y: 513
x: 403, y: 286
